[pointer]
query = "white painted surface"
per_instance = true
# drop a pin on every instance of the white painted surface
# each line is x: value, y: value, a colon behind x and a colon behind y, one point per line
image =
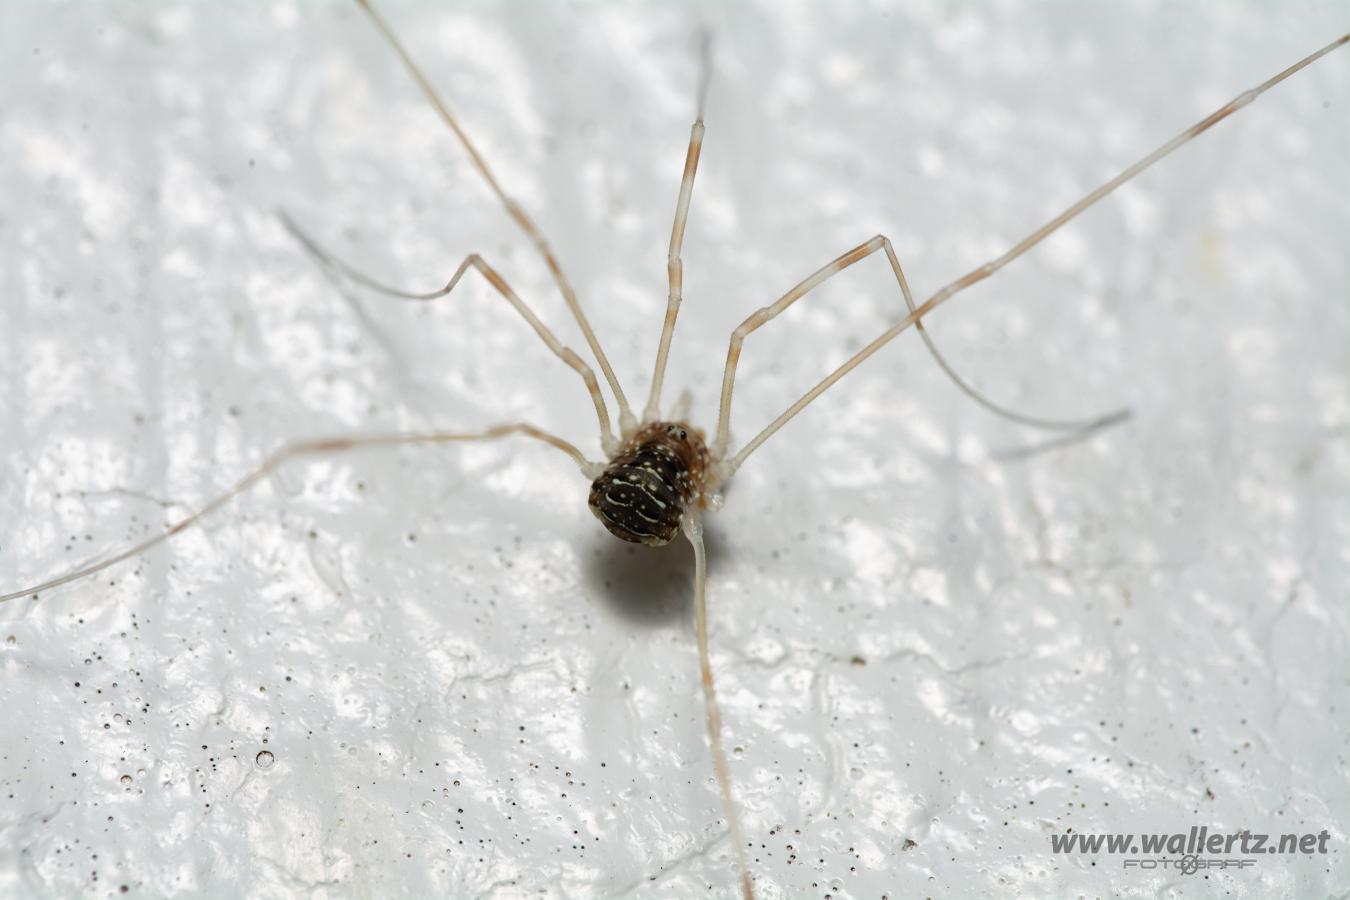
x: 470, y: 690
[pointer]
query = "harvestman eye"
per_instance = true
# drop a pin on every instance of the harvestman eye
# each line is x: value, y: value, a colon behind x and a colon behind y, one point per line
x: 660, y: 474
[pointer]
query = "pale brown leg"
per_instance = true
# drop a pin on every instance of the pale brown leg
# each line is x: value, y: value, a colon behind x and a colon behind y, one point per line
x: 693, y: 530
x: 680, y: 411
x: 317, y: 447
x: 674, y: 262
x: 972, y: 277
x: 607, y: 440
x: 626, y: 421
x: 817, y: 278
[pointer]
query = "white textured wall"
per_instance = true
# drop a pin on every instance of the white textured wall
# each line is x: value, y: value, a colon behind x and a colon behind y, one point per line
x: 467, y: 687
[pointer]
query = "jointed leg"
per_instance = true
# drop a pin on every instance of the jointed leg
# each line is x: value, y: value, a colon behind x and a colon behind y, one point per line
x: 674, y: 263
x: 513, y: 209
x: 693, y: 530
x: 823, y: 274
x: 607, y: 440
x: 972, y: 277
x: 318, y: 447
x: 761, y: 316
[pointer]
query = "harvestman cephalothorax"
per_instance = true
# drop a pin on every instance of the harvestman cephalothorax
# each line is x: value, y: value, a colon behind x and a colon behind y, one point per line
x: 660, y: 473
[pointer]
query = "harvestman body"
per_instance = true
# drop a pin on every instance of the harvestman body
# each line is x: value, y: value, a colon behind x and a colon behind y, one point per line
x: 662, y: 474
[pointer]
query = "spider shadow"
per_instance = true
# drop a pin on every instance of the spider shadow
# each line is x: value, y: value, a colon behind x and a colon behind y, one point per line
x: 647, y: 586
x: 1057, y: 442
x: 343, y: 286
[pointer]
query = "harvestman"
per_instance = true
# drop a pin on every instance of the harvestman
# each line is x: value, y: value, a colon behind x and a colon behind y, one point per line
x: 660, y: 473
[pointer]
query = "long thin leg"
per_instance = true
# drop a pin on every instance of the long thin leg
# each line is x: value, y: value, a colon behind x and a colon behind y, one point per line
x: 693, y: 530
x: 823, y: 274
x: 674, y: 263
x: 979, y: 274
x: 317, y: 447
x: 607, y: 440
x: 626, y: 421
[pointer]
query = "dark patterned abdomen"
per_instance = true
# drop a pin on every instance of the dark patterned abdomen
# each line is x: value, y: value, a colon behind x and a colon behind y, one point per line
x: 644, y: 492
